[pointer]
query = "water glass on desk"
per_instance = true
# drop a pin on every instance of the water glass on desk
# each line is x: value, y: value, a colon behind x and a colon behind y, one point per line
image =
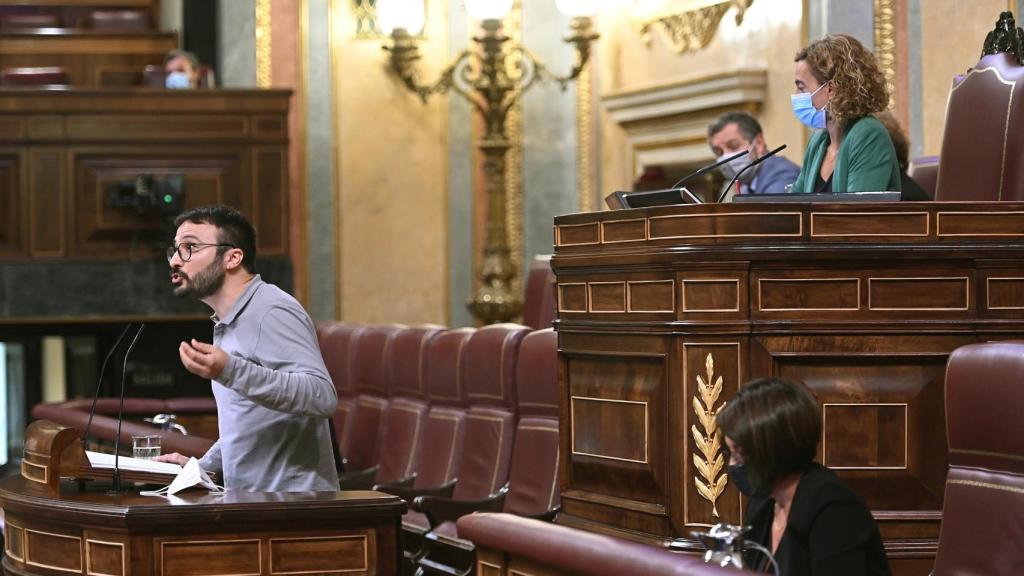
x: 145, y: 447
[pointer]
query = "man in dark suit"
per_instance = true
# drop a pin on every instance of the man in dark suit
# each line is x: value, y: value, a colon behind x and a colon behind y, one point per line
x: 734, y: 132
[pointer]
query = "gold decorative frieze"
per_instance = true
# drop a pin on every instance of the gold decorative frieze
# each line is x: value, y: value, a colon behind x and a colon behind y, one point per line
x: 708, y: 459
x: 885, y: 44
x: 263, y: 43
x: 688, y: 25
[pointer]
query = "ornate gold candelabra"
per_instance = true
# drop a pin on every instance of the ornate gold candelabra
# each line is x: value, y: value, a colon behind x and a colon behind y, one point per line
x: 493, y: 78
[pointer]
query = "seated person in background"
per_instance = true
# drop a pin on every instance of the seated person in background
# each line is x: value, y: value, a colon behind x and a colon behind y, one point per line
x: 911, y: 190
x: 182, y: 68
x: 839, y: 87
x: 813, y: 523
x: 734, y: 132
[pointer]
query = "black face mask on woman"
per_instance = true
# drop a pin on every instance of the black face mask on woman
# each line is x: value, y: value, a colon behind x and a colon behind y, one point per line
x: 738, y: 474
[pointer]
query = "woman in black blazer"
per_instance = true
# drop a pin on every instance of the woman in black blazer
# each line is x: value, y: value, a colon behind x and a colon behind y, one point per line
x: 811, y: 520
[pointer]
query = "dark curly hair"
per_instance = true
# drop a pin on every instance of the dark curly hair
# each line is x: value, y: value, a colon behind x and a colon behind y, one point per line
x: 857, y: 83
x: 234, y: 230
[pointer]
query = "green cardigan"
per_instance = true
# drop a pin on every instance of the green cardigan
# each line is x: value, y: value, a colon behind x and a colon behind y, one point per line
x: 866, y: 161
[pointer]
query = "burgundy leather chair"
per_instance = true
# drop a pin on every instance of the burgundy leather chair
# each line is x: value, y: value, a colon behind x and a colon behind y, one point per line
x: 75, y: 413
x: 980, y: 146
x: 440, y: 449
x: 539, y: 308
x: 15, y: 21
x: 360, y: 442
x: 404, y: 362
x: 39, y: 76
x: 925, y: 171
x: 552, y: 549
x: 336, y: 340
x: 983, y: 515
x: 533, y: 475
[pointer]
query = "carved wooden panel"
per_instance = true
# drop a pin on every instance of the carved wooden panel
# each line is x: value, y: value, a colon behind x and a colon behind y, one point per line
x: 155, y: 128
x: 319, y: 554
x: 220, y: 557
x: 842, y: 438
x: 607, y: 296
x: 619, y: 231
x: 807, y: 294
x: 869, y: 225
x: 47, y: 236
x: 210, y: 176
x: 106, y: 558
x: 712, y: 373
x: 270, y: 199
x: 1004, y: 291
x: 651, y: 296
x: 919, y: 293
x: 980, y: 224
x: 14, y: 541
x: 577, y: 234
x: 572, y: 297
x: 711, y: 294
x: 740, y: 225
x: 615, y: 406
x: 11, y: 240
x: 53, y: 551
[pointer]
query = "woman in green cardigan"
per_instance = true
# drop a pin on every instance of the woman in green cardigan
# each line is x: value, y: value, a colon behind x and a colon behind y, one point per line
x: 839, y: 87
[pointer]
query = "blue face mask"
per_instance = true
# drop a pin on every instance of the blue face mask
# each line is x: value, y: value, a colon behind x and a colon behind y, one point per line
x: 803, y: 108
x: 177, y: 80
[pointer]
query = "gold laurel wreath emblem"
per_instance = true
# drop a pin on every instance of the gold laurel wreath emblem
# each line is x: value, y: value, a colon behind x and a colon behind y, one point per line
x: 709, y: 462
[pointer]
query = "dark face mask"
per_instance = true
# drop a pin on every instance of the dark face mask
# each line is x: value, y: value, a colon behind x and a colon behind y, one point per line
x: 738, y: 474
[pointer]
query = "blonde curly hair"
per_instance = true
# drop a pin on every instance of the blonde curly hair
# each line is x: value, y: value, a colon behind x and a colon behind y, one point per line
x: 857, y: 83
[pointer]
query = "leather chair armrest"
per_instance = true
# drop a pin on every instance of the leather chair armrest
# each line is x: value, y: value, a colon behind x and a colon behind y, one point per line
x: 358, y: 480
x: 548, y: 516
x: 409, y: 493
x: 439, y: 510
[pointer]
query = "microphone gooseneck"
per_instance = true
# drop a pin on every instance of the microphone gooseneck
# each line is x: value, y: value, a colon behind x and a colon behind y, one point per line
x: 708, y: 168
x: 116, y: 480
x: 99, y: 383
x: 748, y: 167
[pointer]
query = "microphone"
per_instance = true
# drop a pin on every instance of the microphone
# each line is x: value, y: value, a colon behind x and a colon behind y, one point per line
x: 116, y: 480
x: 748, y: 167
x: 99, y: 383
x: 700, y: 171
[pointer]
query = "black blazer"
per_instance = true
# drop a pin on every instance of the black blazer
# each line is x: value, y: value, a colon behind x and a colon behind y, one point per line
x: 829, y: 532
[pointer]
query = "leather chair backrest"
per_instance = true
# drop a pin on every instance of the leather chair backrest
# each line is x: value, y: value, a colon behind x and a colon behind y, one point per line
x: 983, y: 513
x: 925, y: 171
x: 361, y: 439
x: 404, y: 361
x: 444, y: 430
x: 336, y: 343
x: 981, y: 144
x: 39, y: 76
x: 553, y: 549
x: 489, y: 373
x: 533, y: 475
x: 15, y: 20
x: 539, y: 308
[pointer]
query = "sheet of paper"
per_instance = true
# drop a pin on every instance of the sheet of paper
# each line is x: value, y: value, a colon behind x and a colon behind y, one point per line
x: 100, y: 460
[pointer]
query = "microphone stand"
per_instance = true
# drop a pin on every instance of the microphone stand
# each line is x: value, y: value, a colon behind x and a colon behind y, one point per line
x: 99, y: 383
x: 703, y: 170
x: 115, y: 487
x: 748, y: 167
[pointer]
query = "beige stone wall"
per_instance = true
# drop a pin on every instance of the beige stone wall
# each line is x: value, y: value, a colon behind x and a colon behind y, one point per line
x: 391, y: 166
x: 952, y: 34
x: 770, y: 35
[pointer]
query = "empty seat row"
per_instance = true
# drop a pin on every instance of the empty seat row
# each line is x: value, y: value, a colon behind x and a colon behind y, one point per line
x: 451, y: 420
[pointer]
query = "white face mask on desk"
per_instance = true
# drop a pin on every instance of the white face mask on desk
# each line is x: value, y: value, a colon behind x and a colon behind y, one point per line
x: 190, y: 475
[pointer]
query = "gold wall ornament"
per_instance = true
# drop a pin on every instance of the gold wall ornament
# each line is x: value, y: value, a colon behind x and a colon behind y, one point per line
x: 885, y: 44
x: 584, y: 141
x: 514, y: 156
x: 689, y: 25
x: 709, y: 462
x: 263, y: 44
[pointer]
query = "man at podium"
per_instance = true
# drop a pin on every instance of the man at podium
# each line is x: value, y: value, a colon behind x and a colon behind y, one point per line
x: 273, y: 392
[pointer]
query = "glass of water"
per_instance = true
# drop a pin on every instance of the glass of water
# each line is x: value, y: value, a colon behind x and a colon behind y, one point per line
x: 145, y: 447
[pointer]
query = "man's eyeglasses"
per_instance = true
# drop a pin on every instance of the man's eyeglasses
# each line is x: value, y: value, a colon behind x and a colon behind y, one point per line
x: 185, y: 249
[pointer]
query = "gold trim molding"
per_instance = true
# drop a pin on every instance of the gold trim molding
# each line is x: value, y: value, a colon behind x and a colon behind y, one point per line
x: 885, y: 44
x: 584, y: 140
x: 709, y: 462
x: 263, y: 44
x: 689, y: 25
x: 514, y: 162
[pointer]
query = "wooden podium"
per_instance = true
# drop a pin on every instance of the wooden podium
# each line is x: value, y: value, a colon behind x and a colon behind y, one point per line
x: 664, y: 312
x: 89, y: 531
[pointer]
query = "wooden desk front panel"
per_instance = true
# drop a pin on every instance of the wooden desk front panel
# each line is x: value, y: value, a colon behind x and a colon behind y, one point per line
x: 91, y: 59
x: 60, y: 152
x: 664, y: 313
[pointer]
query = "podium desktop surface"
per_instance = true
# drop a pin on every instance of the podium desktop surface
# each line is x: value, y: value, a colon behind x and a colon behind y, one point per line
x: 196, y: 533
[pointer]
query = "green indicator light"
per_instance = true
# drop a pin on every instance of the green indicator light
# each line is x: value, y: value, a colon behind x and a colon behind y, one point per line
x: 168, y: 198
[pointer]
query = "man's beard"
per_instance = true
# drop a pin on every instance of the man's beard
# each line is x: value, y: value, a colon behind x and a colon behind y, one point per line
x: 205, y: 283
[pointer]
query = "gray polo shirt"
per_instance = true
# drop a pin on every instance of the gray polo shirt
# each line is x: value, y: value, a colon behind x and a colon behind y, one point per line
x: 273, y: 398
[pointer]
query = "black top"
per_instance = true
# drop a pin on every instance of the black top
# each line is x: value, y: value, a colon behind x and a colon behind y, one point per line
x: 829, y: 532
